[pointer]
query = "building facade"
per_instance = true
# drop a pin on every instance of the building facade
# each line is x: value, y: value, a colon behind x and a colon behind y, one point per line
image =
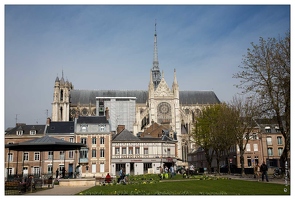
x: 159, y: 103
x: 93, y: 161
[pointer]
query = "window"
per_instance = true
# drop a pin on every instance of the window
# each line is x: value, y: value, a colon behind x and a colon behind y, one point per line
x: 117, y: 151
x: 19, y: 132
x: 102, y: 153
x: 146, y: 151
x: 84, y: 128
x: 26, y: 156
x: 36, y: 170
x: 93, y: 153
x: 71, y: 154
x: 137, y: 150
x: 248, y: 148
x: 268, y: 141
x: 94, y: 140
x: 168, y: 152
x: 36, y: 156
x: 101, y: 140
x: 49, y: 169
x: 255, y: 147
x: 280, y: 151
x: 32, y: 132
x: 267, y: 129
x: 249, y: 161
x: 280, y: 141
x: 50, y: 155
x: 84, y: 153
x: 102, y: 128
x: 10, y: 157
x: 254, y: 136
x: 61, y: 155
x: 71, y: 139
x: 270, y: 151
x: 124, y: 150
x: 83, y: 140
x: 130, y: 152
x: 256, y: 160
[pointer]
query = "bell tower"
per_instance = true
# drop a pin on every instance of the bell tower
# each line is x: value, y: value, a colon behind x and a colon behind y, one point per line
x: 61, y: 99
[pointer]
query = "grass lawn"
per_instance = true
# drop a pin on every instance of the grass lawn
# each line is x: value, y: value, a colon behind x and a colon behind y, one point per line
x: 198, y: 185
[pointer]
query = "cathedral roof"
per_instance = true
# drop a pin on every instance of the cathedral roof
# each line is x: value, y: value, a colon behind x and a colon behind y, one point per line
x: 185, y: 97
x: 89, y: 96
x: 197, y: 97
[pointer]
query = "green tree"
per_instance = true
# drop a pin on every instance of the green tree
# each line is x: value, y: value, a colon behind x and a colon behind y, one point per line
x: 265, y: 76
x: 203, y: 133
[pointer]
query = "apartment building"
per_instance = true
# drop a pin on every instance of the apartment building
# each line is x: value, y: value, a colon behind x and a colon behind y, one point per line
x: 94, y: 131
x: 26, y: 162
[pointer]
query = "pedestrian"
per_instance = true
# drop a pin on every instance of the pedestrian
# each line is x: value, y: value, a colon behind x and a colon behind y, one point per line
x: 63, y: 172
x: 171, y: 171
x: 263, y: 169
x: 56, y: 173
x: 108, y: 178
x: 257, y: 171
x: 191, y: 169
x: 121, y: 175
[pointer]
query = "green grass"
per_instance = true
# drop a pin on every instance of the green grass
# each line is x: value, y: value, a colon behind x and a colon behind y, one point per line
x: 198, y: 185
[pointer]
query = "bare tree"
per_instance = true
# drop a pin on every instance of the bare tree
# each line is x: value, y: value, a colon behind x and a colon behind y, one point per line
x: 265, y: 76
x: 243, y: 113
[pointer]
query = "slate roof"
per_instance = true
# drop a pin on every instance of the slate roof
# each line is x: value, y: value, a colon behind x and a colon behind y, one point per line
x: 60, y: 127
x: 89, y: 96
x: 185, y: 97
x: 26, y: 129
x: 125, y: 135
x: 92, y: 120
x: 45, y: 143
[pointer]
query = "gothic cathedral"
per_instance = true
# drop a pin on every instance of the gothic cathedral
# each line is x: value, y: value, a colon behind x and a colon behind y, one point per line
x: 159, y: 104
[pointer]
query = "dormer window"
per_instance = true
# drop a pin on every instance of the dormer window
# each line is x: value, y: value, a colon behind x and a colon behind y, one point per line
x: 19, y: 132
x: 267, y: 129
x: 84, y: 128
x: 32, y: 132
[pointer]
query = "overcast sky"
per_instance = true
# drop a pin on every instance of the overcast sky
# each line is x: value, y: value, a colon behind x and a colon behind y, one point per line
x: 111, y: 47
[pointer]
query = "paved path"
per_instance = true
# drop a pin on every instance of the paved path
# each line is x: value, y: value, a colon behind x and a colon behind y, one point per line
x: 61, y: 190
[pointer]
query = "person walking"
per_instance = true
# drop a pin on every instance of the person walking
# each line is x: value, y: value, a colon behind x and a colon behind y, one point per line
x: 257, y: 171
x: 56, y: 173
x: 264, y: 169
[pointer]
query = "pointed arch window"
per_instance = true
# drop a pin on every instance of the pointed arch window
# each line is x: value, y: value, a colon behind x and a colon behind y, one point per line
x: 61, y: 95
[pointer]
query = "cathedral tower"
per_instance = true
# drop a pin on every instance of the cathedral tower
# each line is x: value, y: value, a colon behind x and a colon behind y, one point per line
x: 61, y: 99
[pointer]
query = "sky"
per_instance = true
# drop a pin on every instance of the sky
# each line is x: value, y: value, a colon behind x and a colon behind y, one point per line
x: 110, y: 47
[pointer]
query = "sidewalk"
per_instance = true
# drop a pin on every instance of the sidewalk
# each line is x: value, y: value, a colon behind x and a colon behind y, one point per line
x: 61, y: 190
x: 251, y: 178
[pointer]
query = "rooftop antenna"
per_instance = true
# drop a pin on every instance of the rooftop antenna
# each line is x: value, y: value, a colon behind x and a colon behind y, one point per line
x: 16, y: 118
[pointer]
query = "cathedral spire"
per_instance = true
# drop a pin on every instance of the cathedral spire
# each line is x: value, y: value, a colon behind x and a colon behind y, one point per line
x: 155, y: 61
x: 155, y: 70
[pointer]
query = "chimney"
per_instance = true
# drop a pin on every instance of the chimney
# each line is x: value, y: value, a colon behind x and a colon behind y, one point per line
x: 120, y: 128
x: 107, y: 113
x: 48, y: 121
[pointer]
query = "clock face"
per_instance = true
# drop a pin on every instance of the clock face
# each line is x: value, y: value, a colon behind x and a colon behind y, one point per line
x: 164, y: 108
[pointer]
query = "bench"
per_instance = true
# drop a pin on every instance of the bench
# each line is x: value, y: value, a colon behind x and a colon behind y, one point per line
x: 14, y: 187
